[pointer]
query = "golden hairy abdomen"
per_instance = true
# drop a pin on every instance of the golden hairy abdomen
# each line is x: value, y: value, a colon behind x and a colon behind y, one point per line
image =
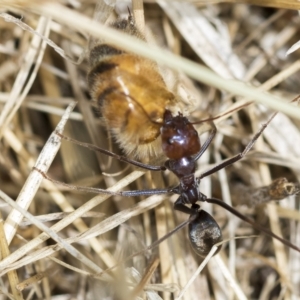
x: 132, y: 96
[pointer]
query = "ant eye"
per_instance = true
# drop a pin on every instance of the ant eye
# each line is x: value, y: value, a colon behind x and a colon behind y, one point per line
x: 170, y: 141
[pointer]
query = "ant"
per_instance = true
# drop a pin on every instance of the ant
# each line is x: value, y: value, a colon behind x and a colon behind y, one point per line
x: 181, y: 145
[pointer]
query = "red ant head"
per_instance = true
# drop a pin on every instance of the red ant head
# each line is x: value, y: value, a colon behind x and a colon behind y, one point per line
x: 179, y: 137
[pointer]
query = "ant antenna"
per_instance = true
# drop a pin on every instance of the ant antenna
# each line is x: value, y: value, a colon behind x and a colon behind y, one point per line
x: 130, y: 17
x: 296, y: 99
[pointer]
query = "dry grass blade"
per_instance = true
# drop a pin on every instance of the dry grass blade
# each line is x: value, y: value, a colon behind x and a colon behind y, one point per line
x: 22, y: 84
x: 194, y: 70
x: 146, y: 278
x: 287, y: 4
x: 12, y: 275
x: 32, y: 184
x: 73, y: 251
x: 246, y: 46
x: 196, y: 274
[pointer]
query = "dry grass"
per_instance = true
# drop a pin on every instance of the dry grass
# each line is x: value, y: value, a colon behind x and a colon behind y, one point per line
x: 245, y: 46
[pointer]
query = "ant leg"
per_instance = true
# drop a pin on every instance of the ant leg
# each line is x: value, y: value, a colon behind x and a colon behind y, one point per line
x: 241, y: 155
x: 180, y: 206
x: 106, y: 192
x: 150, y: 247
x: 145, y: 192
x: 112, y: 154
x: 208, y: 141
x: 251, y: 222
